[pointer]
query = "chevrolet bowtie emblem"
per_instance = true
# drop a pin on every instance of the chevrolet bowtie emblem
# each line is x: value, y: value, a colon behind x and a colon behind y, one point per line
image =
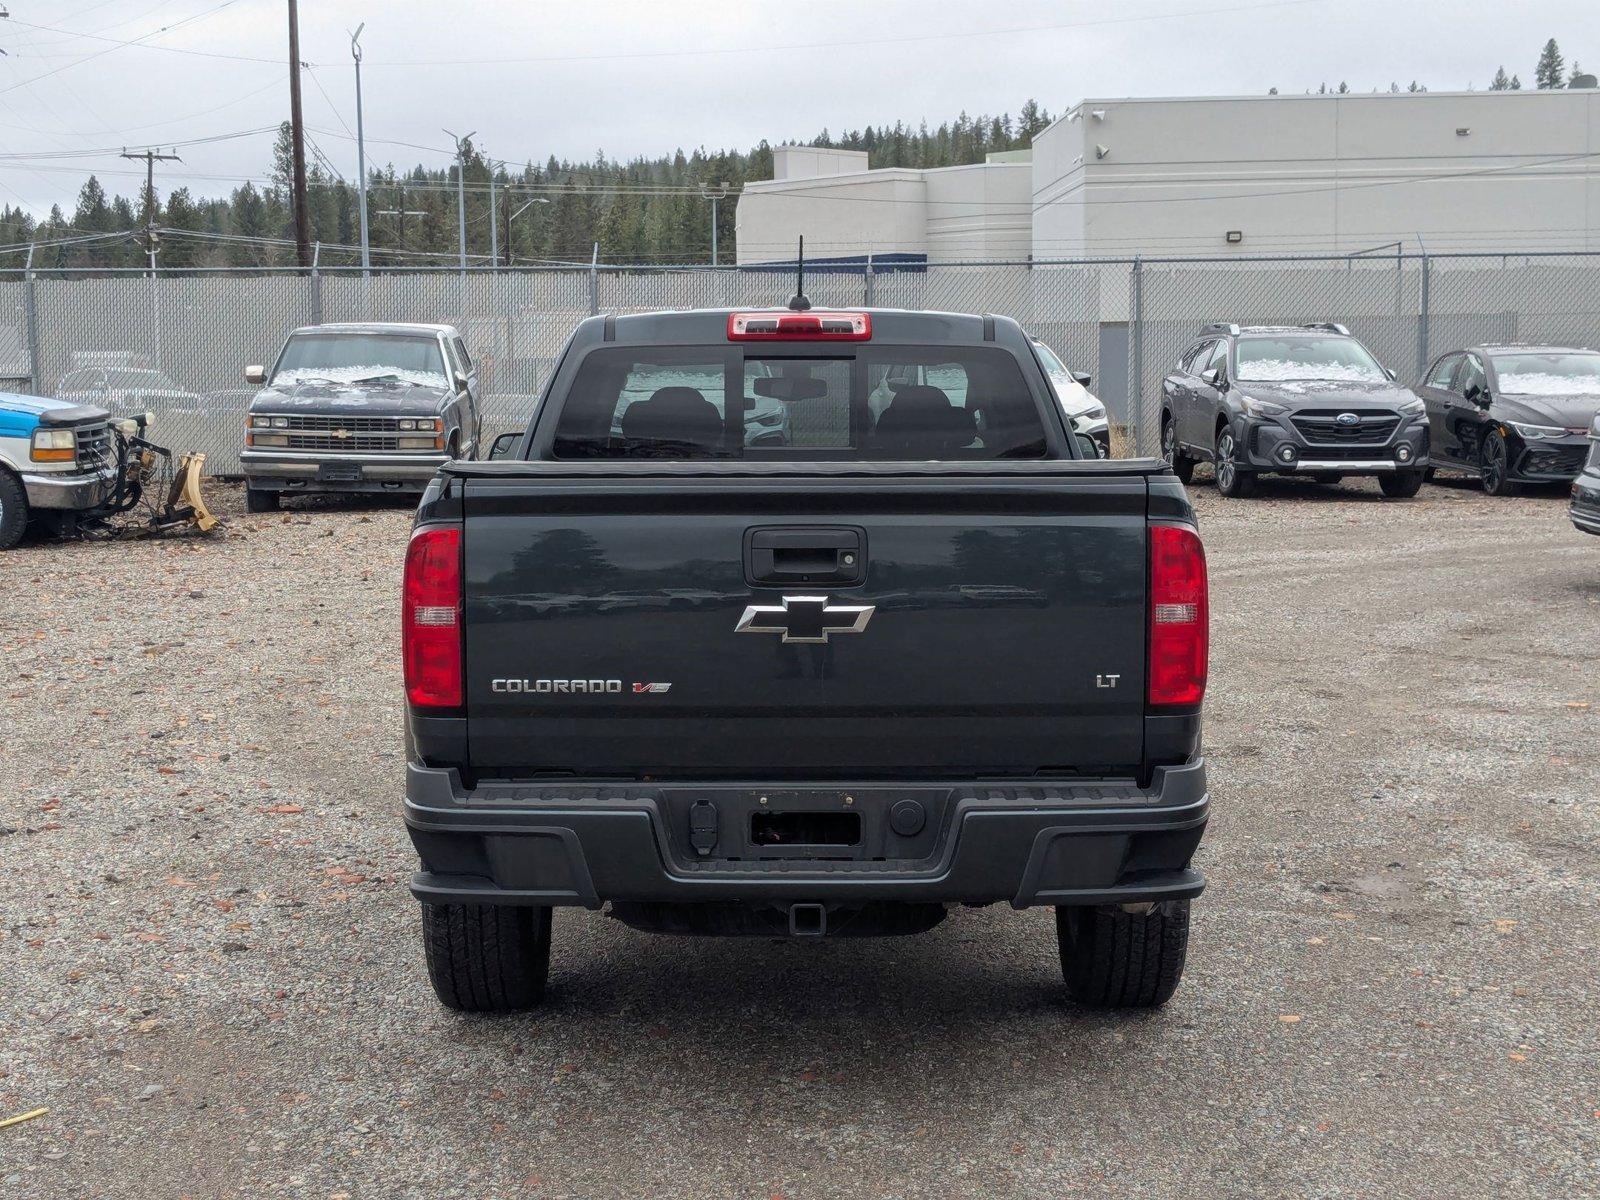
x: 805, y: 618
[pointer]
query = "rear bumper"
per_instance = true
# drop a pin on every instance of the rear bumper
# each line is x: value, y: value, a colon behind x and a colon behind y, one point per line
x: 586, y: 844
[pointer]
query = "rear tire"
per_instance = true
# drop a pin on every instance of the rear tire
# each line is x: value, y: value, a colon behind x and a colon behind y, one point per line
x: 1402, y: 485
x: 259, y: 500
x: 1182, y: 465
x: 486, y: 957
x: 1116, y: 959
x: 13, y: 510
x: 1232, y: 480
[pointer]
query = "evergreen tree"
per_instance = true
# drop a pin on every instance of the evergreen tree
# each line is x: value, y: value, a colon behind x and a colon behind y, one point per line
x: 1548, y: 73
x: 1501, y: 81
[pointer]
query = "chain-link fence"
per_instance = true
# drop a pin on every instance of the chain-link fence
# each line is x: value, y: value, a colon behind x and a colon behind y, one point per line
x: 178, y: 343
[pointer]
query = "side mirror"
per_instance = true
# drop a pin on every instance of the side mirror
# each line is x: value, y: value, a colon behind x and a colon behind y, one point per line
x: 1477, y: 395
x: 256, y: 374
x: 1215, y: 377
x: 1083, y: 378
x: 1087, y: 446
x: 461, y: 382
x: 1391, y: 374
x: 503, y: 445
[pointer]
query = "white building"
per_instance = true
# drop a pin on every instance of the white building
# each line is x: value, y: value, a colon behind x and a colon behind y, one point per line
x: 846, y: 211
x: 1236, y: 175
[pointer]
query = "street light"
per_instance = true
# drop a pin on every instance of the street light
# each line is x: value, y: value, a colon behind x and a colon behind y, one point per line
x: 510, y: 217
x: 461, y: 192
x: 361, y: 147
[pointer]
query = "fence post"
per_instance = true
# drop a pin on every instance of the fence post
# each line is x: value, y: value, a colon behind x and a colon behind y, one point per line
x: 316, y: 285
x: 1424, y: 308
x: 867, y: 282
x: 1136, y: 357
x: 31, y: 304
x: 594, y: 281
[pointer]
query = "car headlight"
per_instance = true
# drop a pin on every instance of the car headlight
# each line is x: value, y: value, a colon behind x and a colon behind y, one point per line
x: 53, y: 445
x: 418, y: 443
x: 1261, y: 408
x: 1413, y: 408
x: 1097, y: 413
x: 1534, y: 433
x: 768, y: 419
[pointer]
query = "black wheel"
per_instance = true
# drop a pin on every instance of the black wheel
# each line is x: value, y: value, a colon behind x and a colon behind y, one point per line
x: 1116, y: 959
x: 259, y: 500
x: 1427, y: 474
x: 1402, y: 485
x: 1494, y: 465
x: 1182, y: 465
x: 13, y: 510
x: 1232, y: 480
x: 486, y: 957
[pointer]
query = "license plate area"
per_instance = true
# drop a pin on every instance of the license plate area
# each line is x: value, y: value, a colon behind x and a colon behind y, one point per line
x: 339, y: 472
x: 809, y: 829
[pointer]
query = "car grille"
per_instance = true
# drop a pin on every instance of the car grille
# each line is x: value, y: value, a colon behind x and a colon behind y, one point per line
x: 94, y: 446
x: 1553, y: 460
x: 1374, y: 429
x: 346, y: 435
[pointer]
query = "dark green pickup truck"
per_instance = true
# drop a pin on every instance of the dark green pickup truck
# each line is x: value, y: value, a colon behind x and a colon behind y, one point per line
x: 922, y: 649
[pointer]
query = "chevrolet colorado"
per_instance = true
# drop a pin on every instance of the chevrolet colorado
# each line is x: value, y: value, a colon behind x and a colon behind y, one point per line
x: 923, y: 649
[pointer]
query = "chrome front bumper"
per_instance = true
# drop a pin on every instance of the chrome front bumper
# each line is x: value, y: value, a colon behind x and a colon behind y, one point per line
x: 307, y: 468
x: 69, y: 490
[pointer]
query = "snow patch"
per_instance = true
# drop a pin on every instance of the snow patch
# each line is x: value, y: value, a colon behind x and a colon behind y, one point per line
x: 353, y: 374
x: 1538, y: 383
x: 1272, y: 370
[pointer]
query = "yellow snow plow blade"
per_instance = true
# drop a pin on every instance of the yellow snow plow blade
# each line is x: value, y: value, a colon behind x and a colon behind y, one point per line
x: 185, y: 495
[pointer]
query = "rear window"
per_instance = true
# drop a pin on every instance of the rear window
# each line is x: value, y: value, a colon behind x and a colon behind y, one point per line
x: 875, y: 403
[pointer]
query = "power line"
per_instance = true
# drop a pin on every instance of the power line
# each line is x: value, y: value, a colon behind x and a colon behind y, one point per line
x: 118, y: 44
x: 909, y: 39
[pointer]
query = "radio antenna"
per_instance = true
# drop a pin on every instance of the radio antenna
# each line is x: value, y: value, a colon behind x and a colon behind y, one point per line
x: 799, y: 303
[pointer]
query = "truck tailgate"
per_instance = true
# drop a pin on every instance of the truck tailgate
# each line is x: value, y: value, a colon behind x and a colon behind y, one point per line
x: 626, y: 625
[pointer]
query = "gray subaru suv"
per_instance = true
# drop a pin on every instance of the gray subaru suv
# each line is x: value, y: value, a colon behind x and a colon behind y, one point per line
x: 1290, y: 400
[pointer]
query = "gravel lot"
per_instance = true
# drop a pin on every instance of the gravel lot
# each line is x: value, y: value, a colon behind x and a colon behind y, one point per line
x: 213, y: 978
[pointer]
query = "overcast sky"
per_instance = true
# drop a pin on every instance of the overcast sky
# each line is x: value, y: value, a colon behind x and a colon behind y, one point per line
x: 650, y: 76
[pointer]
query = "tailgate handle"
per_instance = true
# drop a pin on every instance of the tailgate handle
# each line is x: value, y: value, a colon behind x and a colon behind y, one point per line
x: 805, y: 554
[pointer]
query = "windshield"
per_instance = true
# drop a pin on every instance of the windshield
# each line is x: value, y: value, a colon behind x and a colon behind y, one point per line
x: 350, y: 357
x: 1270, y: 359
x: 1567, y: 373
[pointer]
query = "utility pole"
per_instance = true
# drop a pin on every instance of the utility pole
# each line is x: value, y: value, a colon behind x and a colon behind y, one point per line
x: 461, y: 192
x: 151, y: 158
x: 302, y: 214
x: 512, y: 216
x: 361, y: 147
x: 402, y: 213
x: 714, y: 194
x: 494, y: 224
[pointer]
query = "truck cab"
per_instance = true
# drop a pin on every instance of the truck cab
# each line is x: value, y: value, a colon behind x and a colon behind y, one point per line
x: 56, y: 462
x: 366, y: 408
x: 925, y: 650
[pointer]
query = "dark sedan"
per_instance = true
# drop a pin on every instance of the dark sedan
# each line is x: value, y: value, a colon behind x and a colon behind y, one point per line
x: 1585, y: 510
x: 1512, y: 414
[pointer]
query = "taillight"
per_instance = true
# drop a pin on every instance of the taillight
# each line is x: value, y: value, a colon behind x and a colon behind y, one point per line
x: 430, y: 619
x: 1180, y: 616
x: 799, y: 327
